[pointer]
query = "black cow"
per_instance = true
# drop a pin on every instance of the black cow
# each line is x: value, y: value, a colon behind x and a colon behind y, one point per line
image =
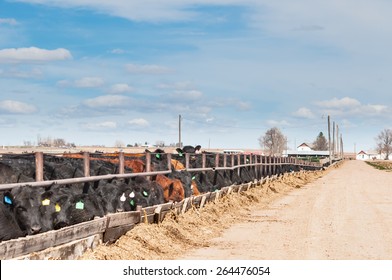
x: 83, y: 204
x: 32, y: 209
x: 189, y: 149
x: 143, y: 192
x: 9, y: 228
x: 16, y: 170
x: 112, y: 195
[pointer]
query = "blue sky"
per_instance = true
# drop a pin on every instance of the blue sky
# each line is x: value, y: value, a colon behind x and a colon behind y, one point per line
x: 98, y: 72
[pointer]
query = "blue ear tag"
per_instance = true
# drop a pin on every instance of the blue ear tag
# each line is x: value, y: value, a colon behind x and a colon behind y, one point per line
x: 79, y: 205
x: 145, y: 194
x: 7, y: 200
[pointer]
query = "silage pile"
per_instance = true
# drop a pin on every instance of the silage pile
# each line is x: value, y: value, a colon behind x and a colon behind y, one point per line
x: 179, y: 233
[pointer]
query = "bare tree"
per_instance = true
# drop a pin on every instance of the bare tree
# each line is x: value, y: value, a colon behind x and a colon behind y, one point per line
x: 159, y: 143
x: 27, y: 143
x: 273, y: 141
x: 59, y: 142
x: 321, y: 143
x: 384, y: 142
x: 119, y: 144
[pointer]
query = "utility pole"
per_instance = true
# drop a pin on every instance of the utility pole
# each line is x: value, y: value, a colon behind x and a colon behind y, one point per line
x: 341, y: 145
x: 333, y: 140
x: 179, y: 131
x: 337, y: 141
x: 329, y: 139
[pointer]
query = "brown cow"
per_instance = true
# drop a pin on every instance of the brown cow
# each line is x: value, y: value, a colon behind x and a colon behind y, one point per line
x: 172, y: 188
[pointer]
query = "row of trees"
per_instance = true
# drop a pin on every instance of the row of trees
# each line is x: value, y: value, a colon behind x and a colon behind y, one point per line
x: 49, y: 142
x: 274, y: 142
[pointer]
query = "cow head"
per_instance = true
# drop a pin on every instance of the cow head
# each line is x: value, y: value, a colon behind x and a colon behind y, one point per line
x: 28, y: 207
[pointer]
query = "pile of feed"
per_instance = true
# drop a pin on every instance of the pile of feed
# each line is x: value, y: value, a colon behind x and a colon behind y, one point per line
x: 178, y: 234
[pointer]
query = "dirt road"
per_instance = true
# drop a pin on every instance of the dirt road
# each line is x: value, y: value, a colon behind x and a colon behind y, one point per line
x: 346, y: 214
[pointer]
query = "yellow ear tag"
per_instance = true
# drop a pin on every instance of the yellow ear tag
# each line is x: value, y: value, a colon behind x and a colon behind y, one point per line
x: 45, y: 202
x: 57, y: 207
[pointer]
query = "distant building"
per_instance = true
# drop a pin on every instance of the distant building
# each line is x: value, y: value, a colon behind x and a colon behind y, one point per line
x: 304, y: 147
x: 305, y: 150
x: 369, y: 155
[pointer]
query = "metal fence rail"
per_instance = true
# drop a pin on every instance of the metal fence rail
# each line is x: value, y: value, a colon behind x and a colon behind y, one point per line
x: 266, y: 164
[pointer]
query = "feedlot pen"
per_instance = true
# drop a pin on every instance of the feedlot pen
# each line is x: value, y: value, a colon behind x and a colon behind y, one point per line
x: 70, y: 242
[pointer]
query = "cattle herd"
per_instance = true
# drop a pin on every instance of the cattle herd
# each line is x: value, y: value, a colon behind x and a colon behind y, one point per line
x: 27, y: 210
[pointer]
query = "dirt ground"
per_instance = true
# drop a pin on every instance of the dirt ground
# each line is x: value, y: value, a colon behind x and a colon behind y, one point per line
x: 341, y: 213
x: 346, y: 214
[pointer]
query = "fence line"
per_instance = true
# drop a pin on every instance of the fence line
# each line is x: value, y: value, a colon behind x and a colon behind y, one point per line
x: 70, y: 242
x: 270, y: 163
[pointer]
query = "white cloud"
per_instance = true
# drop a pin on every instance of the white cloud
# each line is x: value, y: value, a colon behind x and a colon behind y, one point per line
x: 304, y: 112
x: 118, y: 51
x: 89, y: 82
x: 7, y: 123
x: 16, y: 107
x: 243, y: 106
x: 278, y: 123
x: 33, y: 54
x: 147, y: 69
x: 139, y: 122
x: 147, y: 10
x: 22, y: 74
x: 345, y: 102
x: 100, y: 126
x: 345, y: 123
x: 374, y: 109
x: 177, y: 86
x: 86, y: 82
x: 107, y: 101
x: 351, y: 106
x: 120, y: 88
x: 10, y: 21
x: 189, y: 95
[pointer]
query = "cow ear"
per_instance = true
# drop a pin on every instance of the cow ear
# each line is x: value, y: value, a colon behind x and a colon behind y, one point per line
x: 47, y: 188
x: 180, y: 152
x: 86, y: 187
x: 8, y: 199
x: 47, y: 194
x: 171, y: 189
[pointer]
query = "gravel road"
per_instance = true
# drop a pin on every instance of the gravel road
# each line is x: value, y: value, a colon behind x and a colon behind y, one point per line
x: 346, y: 214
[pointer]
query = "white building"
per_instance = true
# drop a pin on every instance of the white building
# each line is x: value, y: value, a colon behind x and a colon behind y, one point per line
x: 369, y: 155
x: 304, y: 147
x: 305, y: 150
